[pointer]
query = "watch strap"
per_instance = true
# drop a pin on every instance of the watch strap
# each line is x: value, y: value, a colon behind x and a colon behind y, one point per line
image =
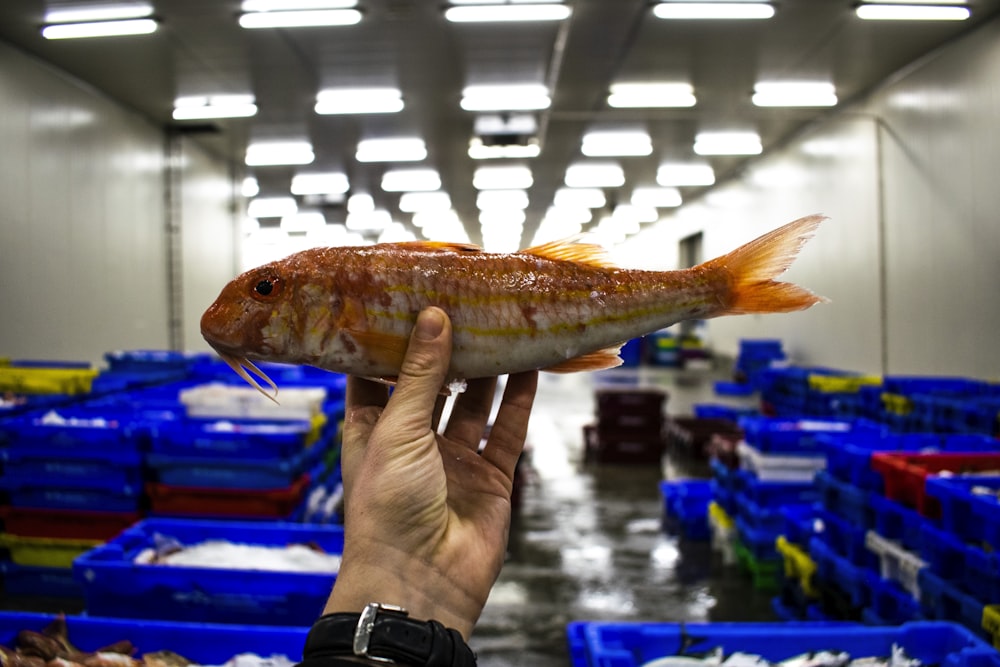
x: 390, y: 636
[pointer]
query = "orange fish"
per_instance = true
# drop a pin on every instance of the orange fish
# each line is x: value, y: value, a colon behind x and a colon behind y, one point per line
x: 559, y: 307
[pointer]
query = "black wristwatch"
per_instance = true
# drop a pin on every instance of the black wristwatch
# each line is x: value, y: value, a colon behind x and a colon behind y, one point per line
x: 385, y: 633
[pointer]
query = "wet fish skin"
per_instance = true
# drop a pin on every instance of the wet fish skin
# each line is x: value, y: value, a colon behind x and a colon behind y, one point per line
x: 560, y: 307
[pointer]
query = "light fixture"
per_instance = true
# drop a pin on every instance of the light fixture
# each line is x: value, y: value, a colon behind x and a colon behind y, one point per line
x: 489, y: 200
x: 332, y: 183
x: 401, y: 149
x: 631, y: 212
x: 713, y: 10
x: 411, y: 180
x: 267, y: 153
x: 507, y: 12
x: 302, y: 222
x: 368, y: 221
x: 911, y: 12
x: 579, y: 197
x: 794, y: 94
x: 360, y: 202
x: 99, y: 29
x: 568, y: 214
x: 297, y: 13
x: 197, y: 107
x: 594, y: 175
x: 618, y: 143
x: 678, y: 174
x: 667, y: 197
x: 359, y: 100
x: 727, y: 143
x: 418, y: 202
x: 478, y: 150
x: 105, y: 12
x: 271, y: 207
x: 502, y: 178
x: 395, y: 232
x: 651, y: 94
x: 502, y: 217
x: 249, y: 188
x: 505, y: 97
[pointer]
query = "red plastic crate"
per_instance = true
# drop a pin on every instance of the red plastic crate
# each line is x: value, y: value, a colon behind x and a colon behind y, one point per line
x: 65, y: 524
x: 905, y: 475
x: 190, y: 501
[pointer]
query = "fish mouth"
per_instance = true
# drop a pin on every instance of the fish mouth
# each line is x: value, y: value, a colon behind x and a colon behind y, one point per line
x: 241, y: 365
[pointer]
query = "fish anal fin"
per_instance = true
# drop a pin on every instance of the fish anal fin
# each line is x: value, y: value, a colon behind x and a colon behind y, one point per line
x: 592, y: 361
x: 383, y: 349
x: 571, y: 250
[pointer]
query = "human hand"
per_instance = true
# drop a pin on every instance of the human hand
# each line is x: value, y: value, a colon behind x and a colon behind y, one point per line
x: 427, y: 517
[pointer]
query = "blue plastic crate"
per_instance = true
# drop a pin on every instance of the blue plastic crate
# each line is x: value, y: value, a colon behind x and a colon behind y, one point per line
x: 772, y: 519
x: 79, y: 467
x: 685, y: 504
x: 846, y: 539
x: 206, y: 644
x: 897, y: 522
x: 975, y: 571
x: 759, y: 542
x: 622, y: 644
x: 801, y: 522
x: 956, y: 499
x: 769, y: 434
x: 774, y: 493
x: 716, y: 411
x: 94, y: 430
x: 224, y: 438
x: 853, y: 581
x: 114, y: 585
x: 95, y: 495
x: 891, y: 604
x: 941, y: 600
x: 35, y: 581
x: 848, y: 455
x: 726, y: 388
x: 847, y: 500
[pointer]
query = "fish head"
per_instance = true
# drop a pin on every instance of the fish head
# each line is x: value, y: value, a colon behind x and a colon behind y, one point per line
x: 249, y: 320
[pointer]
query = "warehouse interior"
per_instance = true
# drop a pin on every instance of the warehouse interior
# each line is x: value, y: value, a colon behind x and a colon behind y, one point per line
x: 128, y: 203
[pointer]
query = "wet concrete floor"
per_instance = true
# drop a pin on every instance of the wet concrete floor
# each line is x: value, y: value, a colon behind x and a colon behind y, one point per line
x: 587, y: 542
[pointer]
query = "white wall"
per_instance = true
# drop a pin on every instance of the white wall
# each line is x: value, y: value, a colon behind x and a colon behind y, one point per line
x: 914, y: 166
x: 83, y: 222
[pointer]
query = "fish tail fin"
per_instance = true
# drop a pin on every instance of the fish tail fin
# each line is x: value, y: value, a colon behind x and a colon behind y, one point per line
x: 754, y: 267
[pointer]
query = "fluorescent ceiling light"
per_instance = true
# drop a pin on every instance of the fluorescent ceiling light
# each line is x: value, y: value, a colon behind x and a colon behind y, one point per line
x: 502, y: 178
x: 395, y: 232
x: 912, y: 12
x: 794, y: 94
x: 480, y: 151
x: 300, y: 19
x: 359, y: 100
x: 411, y: 180
x: 727, y: 143
x: 594, y: 175
x: 99, y: 29
x: 280, y: 5
x: 631, y: 212
x: 375, y: 220
x: 604, y: 144
x: 656, y: 197
x: 639, y: 95
x: 568, y: 214
x: 501, y: 217
x: 506, y: 124
x: 490, y: 200
x: 682, y: 174
x: 279, y: 152
x: 506, y: 97
x: 332, y: 183
x: 272, y: 207
x: 214, y: 106
x: 574, y: 197
x: 250, y: 188
x: 108, y: 12
x: 509, y: 12
x: 403, y: 149
x: 360, y: 202
x: 415, y: 202
x: 713, y: 10
x: 303, y: 221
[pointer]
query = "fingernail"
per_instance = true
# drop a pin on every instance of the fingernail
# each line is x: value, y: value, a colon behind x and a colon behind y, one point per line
x: 430, y: 324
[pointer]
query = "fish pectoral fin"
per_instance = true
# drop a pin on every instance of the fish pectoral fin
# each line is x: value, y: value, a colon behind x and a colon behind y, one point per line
x: 571, y: 250
x: 592, y: 361
x: 388, y: 381
x: 383, y: 349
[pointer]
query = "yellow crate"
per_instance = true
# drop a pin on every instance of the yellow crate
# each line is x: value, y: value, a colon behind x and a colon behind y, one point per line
x: 991, y: 622
x: 897, y: 404
x: 842, y: 384
x: 720, y: 517
x: 45, y: 551
x: 24, y: 380
x: 798, y: 565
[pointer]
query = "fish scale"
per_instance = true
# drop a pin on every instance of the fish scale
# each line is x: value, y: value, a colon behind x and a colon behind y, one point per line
x: 561, y: 306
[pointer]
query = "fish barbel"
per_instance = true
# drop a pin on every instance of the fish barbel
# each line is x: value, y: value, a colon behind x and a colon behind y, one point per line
x: 560, y: 307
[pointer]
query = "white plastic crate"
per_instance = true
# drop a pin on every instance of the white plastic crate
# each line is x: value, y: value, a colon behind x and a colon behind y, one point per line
x: 723, y: 534
x: 896, y: 563
x: 779, y: 467
x: 222, y: 401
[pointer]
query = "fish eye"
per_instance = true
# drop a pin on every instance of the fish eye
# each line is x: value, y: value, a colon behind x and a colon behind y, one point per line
x: 264, y: 287
x: 267, y: 287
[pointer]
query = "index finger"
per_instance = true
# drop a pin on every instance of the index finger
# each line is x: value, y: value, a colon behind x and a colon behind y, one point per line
x: 363, y: 405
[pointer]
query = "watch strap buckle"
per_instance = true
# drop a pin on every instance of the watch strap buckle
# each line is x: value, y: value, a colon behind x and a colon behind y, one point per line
x: 366, y: 624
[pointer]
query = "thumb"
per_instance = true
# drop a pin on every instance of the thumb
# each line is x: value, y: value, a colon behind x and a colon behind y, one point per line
x: 410, y: 410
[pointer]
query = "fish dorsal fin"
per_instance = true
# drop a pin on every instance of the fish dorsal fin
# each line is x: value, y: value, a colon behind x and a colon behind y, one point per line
x: 572, y: 250
x: 441, y: 246
x: 592, y: 361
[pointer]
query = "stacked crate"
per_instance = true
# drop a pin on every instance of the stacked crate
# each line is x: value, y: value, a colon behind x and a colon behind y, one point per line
x: 629, y: 428
x: 754, y: 358
x: 685, y: 508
